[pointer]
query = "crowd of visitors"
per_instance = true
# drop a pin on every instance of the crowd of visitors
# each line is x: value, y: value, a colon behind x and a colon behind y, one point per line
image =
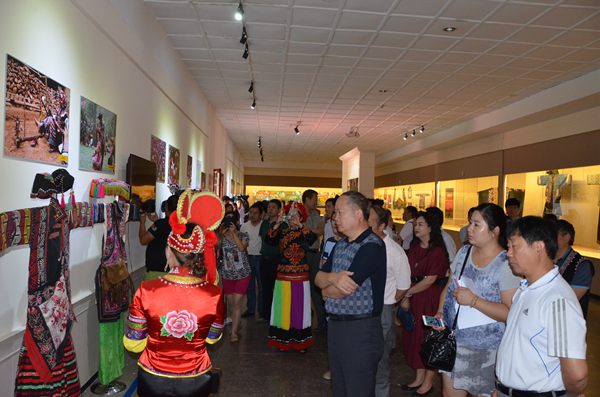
x: 514, y: 293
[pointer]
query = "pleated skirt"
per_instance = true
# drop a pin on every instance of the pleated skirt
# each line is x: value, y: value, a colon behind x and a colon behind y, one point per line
x: 290, y: 323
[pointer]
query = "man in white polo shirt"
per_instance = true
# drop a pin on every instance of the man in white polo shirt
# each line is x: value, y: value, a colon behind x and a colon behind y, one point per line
x: 542, y: 353
x: 396, y: 284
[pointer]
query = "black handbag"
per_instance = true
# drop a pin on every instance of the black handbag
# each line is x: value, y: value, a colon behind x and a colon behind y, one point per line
x: 438, y: 349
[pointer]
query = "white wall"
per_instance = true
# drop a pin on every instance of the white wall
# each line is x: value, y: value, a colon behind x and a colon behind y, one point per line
x: 116, y: 54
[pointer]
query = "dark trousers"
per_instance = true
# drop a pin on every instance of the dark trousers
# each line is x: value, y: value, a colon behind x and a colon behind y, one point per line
x: 255, y: 286
x: 355, y: 348
x: 314, y: 259
x: 268, y: 274
x: 159, y: 386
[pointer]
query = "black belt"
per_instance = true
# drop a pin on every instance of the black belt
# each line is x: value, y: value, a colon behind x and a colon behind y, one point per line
x: 525, y: 393
x: 350, y: 317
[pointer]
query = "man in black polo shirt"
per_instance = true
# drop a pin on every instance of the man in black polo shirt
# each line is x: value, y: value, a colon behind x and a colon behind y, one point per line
x: 353, y: 282
x: 155, y: 240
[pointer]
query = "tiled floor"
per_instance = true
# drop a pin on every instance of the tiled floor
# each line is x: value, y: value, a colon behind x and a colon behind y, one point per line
x: 251, y: 368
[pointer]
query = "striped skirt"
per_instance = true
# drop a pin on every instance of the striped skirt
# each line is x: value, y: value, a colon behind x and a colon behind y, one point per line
x: 290, y: 326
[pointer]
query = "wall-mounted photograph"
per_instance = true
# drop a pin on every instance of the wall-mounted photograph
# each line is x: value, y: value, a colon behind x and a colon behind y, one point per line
x: 173, y: 165
x: 158, y: 152
x: 188, y: 173
x: 36, y: 124
x: 97, y: 138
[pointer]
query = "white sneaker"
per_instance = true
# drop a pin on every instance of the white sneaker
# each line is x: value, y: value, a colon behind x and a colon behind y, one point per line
x: 228, y: 321
x: 327, y: 375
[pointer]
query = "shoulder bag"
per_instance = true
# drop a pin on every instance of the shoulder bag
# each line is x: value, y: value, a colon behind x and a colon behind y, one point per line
x: 438, y: 349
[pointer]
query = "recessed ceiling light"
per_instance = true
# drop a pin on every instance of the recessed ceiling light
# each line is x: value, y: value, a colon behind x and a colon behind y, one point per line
x: 449, y: 29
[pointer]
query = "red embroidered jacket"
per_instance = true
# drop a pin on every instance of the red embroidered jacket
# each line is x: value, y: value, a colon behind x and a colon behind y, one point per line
x: 171, y: 319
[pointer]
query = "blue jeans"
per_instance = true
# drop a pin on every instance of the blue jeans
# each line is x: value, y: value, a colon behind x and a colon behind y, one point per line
x: 254, y: 285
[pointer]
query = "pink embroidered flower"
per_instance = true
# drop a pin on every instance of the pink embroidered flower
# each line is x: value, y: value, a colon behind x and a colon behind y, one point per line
x: 179, y: 324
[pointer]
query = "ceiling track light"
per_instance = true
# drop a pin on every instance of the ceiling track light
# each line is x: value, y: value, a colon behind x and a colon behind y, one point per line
x: 251, y: 86
x: 405, y: 136
x: 253, y: 106
x: 414, y: 133
x: 244, y: 37
x: 297, y: 130
x: 246, y: 53
x: 422, y: 129
x: 239, y: 13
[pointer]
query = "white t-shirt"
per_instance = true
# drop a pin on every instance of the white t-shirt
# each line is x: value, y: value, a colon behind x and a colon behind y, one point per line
x: 544, y: 324
x: 450, y: 245
x: 398, y: 270
x: 328, y: 231
x: 255, y: 242
x: 406, y: 234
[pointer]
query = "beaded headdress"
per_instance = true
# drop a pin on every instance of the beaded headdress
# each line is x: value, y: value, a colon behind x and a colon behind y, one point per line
x: 205, y: 210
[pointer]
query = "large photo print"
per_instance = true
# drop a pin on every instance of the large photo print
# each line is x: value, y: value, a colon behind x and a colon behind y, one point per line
x: 97, y: 138
x: 36, y: 125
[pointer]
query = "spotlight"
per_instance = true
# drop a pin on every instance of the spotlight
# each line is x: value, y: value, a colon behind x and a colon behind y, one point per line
x: 449, y: 29
x: 245, y: 54
x: 422, y: 129
x: 253, y: 106
x: 244, y: 37
x: 239, y: 13
x: 251, y: 86
x: 414, y: 133
x: 297, y: 130
x: 405, y: 136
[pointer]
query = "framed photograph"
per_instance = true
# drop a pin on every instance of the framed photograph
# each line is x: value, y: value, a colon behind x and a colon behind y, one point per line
x: 190, y: 164
x: 158, y: 152
x: 218, y: 182
x: 352, y: 185
x: 203, y: 183
x: 97, y: 138
x: 36, y: 123
x: 198, y: 174
x: 173, y: 165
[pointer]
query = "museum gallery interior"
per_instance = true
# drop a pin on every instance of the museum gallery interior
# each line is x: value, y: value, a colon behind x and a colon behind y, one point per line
x: 110, y: 105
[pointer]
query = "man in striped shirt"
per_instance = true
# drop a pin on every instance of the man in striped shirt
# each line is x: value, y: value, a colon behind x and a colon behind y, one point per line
x: 543, y: 349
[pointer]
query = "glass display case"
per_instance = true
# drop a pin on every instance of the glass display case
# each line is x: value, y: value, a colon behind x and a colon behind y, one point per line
x: 457, y: 196
x: 287, y: 193
x: 569, y: 193
x: 396, y: 198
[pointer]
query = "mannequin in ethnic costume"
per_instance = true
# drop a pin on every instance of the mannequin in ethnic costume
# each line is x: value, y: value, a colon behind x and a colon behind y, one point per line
x: 172, y: 318
x: 290, y: 327
x: 47, y: 364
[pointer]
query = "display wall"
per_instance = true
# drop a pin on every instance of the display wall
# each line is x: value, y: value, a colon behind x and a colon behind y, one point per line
x: 455, y: 197
x: 287, y: 193
x: 396, y: 198
x: 569, y: 193
x: 115, y: 54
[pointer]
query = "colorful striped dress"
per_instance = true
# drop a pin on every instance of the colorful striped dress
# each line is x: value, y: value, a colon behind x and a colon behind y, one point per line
x: 290, y: 324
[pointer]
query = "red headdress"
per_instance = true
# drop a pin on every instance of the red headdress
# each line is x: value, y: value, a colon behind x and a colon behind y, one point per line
x: 205, y: 210
x: 301, y: 210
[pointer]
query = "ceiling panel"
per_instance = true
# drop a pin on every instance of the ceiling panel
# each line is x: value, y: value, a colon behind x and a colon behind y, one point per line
x: 383, y: 66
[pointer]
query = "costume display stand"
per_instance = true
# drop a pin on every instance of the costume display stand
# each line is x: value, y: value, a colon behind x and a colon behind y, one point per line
x: 114, y: 287
x: 47, y: 363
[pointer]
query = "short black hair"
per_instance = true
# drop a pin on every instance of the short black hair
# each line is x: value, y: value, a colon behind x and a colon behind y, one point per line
x: 383, y: 216
x: 308, y: 193
x: 437, y: 214
x: 565, y: 227
x: 534, y: 228
x: 378, y: 202
x: 258, y: 205
x: 512, y: 202
x: 277, y: 202
x: 332, y: 200
x: 412, y: 210
x: 359, y: 200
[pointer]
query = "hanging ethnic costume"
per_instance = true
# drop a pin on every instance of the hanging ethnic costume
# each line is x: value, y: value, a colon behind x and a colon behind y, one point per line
x: 47, y: 364
x: 172, y: 318
x: 290, y: 323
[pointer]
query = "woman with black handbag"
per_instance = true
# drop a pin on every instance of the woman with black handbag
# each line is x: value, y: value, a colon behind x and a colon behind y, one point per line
x: 484, y: 268
x: 428, y: 260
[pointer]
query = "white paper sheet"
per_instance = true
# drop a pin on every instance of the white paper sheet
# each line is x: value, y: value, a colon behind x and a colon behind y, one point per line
x: 469, y: 316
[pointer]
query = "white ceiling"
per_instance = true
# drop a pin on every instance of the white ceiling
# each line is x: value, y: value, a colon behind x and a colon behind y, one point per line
x: 384, y: 66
